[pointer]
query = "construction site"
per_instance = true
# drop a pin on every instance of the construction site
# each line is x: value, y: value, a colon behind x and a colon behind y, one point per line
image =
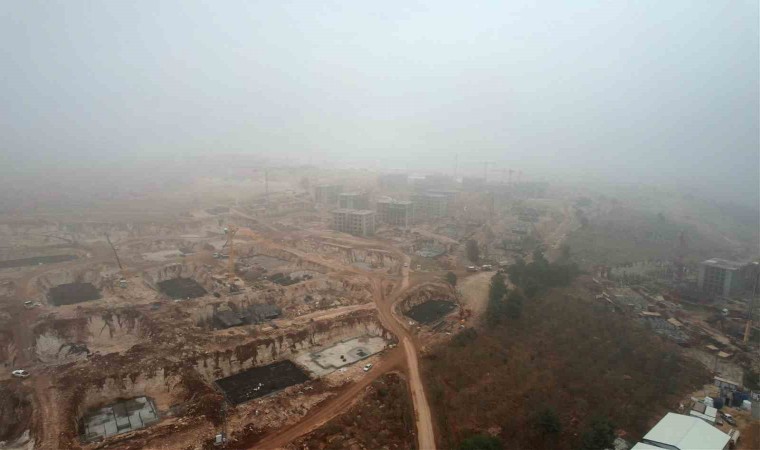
x: 262, y: 322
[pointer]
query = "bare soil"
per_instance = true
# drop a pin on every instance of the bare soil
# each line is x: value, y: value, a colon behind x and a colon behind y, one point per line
x: 15, y: 410
x: 36, y: 260
x: 383, y: 419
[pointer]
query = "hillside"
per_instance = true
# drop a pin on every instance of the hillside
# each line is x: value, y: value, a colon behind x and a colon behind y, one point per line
x: 565, y: 358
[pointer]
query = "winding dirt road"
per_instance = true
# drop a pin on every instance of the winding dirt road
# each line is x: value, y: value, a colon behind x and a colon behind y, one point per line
x: 403, y: 357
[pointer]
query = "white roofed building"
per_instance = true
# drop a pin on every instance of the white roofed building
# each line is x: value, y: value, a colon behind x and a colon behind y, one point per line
x: 679, y: 432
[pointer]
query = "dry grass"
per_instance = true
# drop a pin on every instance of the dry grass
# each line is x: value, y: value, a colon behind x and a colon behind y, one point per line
x: 384, y: 418
x: 564, y: 353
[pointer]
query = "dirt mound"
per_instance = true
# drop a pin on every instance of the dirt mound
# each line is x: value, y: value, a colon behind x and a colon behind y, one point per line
x: 15, y: 412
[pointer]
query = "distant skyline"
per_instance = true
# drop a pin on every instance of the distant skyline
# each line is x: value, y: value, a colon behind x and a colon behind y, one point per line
x: 644, y: 91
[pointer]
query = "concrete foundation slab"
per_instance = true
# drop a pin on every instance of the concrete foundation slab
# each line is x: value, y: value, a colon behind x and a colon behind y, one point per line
x: 341, y: 354
x: 119, y: 418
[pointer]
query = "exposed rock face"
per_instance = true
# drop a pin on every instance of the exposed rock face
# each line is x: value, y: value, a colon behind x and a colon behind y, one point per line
x: 372, y: 258
x: 185, y: 379
x: 98, y: 275
x: 262, y: 351
x: 66, y: 340
x: 424, y: 293
x: 199, y: 273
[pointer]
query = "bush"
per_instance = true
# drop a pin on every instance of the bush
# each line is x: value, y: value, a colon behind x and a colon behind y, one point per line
x: 547, y: 422
x: 497, y: 308
x: 599, y: 436
x: 481, y: 442
x: 451, y: 278
x: 514, y: 305
x: 473, y: 252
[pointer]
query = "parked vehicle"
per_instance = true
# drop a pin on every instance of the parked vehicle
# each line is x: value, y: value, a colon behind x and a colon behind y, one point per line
x: 367, y: 367
x: 20, y: 373
x: 728, y: 418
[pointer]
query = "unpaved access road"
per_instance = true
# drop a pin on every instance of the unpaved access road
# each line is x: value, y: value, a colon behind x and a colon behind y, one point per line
x: 396, y: 359
x: 425, y: 434
x: 332, y: 407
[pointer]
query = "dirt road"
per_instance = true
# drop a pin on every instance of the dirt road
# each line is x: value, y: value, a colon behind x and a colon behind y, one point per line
x: 425, y: 434
x: 404, y: 356
x: 333, y: 407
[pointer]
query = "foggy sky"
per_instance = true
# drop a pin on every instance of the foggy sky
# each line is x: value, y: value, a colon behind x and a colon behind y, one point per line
x: 647, y: 91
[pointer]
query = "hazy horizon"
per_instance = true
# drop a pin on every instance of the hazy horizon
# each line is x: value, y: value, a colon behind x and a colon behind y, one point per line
x: 649, y: 92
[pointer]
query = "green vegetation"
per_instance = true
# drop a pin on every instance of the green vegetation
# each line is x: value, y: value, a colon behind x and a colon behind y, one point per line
x: 451, y: 278
x: 546, y: 421
x: 599, y: 436
x: 481, y: 442
x: 496, y: 309
x: 473, y: 251
x: 514, y: 306
x: 540, y: 273
x: 752, y: 379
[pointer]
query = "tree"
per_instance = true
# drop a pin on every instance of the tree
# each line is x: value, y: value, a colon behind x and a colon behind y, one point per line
x: 451, y: 278
x: 547, y: 422
x: 514, y: 305
x: 473, y: 252
x: 599, y: 436
x: 496, y: 308
x: 752, y: 379
x: 481, y: 442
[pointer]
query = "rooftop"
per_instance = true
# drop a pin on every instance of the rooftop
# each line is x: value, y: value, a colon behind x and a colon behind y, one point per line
x: 686, y: 433
x: 359, y: 212
x: 645, y: 446
x: 723, y: 264
x: 394, y: 202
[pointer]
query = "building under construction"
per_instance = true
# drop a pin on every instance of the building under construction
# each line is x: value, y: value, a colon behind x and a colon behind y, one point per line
x: 399, y: 213
x: 723, y: 278
x: 359, y: 222
x: 353, y: 200
x: 433, y: 204
x: 327, y: 194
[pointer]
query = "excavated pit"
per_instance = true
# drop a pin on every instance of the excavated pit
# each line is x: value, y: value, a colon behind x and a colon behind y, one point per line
x: 260, y: 381
x: 36, y: 260
x: 430, y: 311
x: 72, y: 293
x: 179, y: 288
